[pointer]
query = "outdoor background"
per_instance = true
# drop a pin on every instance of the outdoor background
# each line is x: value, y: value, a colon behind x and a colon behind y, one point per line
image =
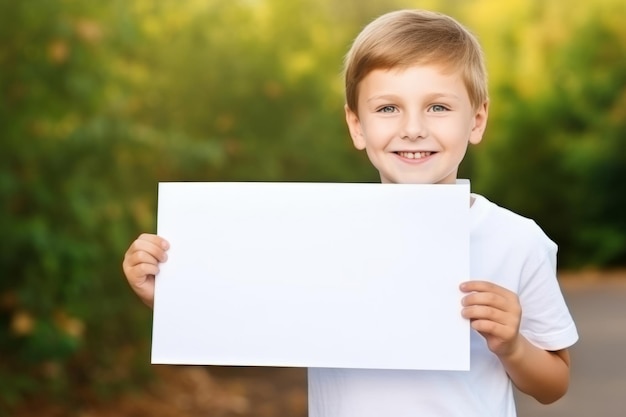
x: 101, y: 100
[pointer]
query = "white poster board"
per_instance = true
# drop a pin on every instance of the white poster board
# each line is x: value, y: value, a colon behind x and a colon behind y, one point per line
x: 313, y: 275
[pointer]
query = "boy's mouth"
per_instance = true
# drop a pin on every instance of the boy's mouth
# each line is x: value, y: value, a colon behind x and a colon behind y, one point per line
x: 414, y: 155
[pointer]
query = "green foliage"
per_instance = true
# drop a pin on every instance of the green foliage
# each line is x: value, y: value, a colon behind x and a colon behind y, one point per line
x: 99, y: 101
x: 78, y: 181
x: 558, y: 154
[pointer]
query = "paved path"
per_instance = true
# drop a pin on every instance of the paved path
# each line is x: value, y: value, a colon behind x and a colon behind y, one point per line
x: 598, y: 386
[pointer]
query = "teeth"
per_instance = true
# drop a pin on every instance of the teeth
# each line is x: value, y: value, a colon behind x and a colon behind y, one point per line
x: 414, y: 155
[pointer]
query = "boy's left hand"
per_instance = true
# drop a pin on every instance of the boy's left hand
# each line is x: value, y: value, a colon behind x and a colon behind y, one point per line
x: 495, y: 313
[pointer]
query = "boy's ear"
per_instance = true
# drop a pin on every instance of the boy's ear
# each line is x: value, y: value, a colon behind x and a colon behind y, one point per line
x: 354, y: 125
x: 480, y: 123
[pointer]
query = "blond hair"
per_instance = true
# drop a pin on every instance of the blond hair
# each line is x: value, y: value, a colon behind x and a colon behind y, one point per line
x: 404, y: 38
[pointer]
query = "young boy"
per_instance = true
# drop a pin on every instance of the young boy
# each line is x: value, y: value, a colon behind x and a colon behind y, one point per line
x: 416, y: 96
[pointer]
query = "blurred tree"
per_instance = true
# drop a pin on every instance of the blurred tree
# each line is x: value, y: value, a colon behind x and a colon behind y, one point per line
x: 555, y: 147
x: 77, y: 181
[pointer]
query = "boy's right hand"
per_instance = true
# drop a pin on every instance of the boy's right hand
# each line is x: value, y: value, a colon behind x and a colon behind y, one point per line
x: 141, y: 264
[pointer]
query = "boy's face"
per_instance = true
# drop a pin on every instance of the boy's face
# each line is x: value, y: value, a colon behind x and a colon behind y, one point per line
x: 415, y: 124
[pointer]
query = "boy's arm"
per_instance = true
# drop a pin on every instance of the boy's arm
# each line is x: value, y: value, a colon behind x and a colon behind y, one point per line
x: 495, y: 313
x: 537, y: 372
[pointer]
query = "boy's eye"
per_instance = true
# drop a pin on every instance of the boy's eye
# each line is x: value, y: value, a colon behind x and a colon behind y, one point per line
x: 387, y: 109
x: 438, y: 108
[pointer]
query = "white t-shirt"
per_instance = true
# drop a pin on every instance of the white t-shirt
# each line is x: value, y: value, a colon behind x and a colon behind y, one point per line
x: 507, y: 249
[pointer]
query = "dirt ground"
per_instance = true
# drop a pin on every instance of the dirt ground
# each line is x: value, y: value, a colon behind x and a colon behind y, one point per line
x: 186, y: 391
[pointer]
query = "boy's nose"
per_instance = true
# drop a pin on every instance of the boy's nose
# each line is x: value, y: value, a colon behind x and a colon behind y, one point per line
x: 413, y: 128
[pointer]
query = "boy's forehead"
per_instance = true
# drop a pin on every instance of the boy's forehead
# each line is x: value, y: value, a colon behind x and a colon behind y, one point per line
x: 421, y: 80
x: 445, y: 74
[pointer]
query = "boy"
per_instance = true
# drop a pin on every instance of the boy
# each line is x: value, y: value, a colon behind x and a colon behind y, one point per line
x: 416, y: 97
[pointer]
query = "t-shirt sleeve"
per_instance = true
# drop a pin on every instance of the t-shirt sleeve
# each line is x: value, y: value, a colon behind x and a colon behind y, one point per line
x: 546, y: 319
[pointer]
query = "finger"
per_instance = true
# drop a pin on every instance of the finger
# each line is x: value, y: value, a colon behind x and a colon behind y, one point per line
x: 488, y: 293
x: 150, y: 246
x: 479, y: 312
x: 155, y: 239
x: 143, y: 271
x: 494, y: 329
x: 482, y: 286
x: 139, y: 274
x: 505, y: 303
x: 138, y: 264
x: 144, y: 257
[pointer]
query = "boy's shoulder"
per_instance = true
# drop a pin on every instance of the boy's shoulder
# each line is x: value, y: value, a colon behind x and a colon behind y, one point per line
x: 490, y: 219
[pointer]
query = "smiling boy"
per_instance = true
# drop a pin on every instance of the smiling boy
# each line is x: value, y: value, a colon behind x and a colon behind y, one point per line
x: 416, y: 97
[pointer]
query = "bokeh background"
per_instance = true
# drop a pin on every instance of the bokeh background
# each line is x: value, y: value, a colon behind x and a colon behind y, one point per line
x: 99, y: 101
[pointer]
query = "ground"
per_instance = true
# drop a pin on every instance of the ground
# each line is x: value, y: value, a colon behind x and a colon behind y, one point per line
x: 216, y: 392
x: 198, y: 391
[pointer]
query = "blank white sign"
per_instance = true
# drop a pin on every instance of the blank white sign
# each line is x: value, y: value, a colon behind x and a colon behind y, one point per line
x: 313, y: 275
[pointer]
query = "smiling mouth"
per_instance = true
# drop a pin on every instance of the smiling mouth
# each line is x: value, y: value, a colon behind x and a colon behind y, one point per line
x: 414, y: 155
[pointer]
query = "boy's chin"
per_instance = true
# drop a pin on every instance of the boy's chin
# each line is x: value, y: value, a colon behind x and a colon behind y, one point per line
x: 405, y: 180
x: 416, y: 178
